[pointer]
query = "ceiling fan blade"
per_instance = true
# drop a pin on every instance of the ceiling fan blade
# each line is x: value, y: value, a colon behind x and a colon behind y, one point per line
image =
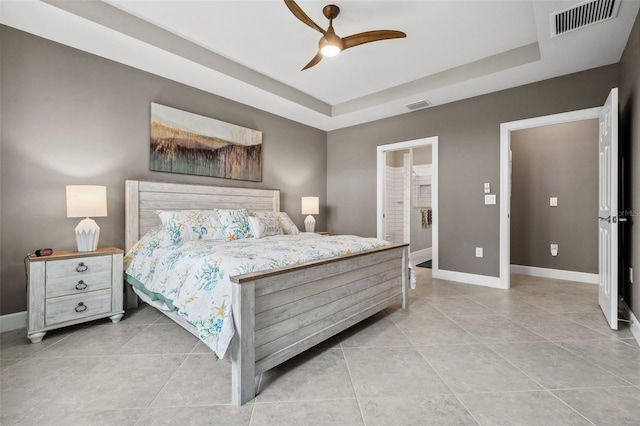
x: 369, y: 36
x: 299, y: 13
x: 314, y: 61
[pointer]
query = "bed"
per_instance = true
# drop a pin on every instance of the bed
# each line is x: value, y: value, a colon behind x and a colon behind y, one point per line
x: 281, y: 312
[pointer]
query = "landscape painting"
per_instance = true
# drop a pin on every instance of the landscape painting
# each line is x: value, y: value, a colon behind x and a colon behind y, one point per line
x: 183, y: 142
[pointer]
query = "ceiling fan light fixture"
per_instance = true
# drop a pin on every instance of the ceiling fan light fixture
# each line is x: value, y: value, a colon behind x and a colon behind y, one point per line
x: 330, y: 50
x: 330, y: 45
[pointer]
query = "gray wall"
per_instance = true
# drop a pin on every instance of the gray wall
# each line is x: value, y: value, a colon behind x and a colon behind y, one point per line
x: 69, y: 117
x: 630, y: 131
x: 469, y: 141
x: 555, y: 161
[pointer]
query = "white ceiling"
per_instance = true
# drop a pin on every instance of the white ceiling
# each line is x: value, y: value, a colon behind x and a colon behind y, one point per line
x: 253, y: 51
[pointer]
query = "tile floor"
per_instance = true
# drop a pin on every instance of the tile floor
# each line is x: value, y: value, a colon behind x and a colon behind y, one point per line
x: 538, y: 354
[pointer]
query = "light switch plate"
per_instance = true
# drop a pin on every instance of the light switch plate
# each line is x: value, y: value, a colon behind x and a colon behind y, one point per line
x: 487, y: 188
x: 553, y: 201
x: 490, y: 199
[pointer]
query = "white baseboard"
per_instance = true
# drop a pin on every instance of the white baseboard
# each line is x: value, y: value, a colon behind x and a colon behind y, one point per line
x: 556, y: 274
x: 634, y: 327
x: 420, y: 256
x: 13, y: 321
x: 465, y: 278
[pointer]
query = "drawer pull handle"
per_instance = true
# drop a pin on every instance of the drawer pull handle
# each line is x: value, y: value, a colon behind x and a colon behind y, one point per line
x: 81, y: 307
x: 81, y: 285
x: 82, y: 267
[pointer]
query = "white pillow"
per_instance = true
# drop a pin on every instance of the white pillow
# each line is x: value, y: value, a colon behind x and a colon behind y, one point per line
x: 234, y: 223
x: 191, y: 225
x: 287, y: 224
x: 264, y: 227
x: 288, y: 227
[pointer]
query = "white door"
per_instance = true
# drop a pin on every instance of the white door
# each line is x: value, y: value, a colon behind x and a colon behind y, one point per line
x: 608, y: 210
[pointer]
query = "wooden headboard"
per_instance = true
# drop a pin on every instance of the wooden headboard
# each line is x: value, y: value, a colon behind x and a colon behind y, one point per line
x: 143, y: 198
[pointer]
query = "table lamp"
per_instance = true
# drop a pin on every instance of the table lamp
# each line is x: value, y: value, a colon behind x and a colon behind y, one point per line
x: 85, y: 201
x: 310, y: 206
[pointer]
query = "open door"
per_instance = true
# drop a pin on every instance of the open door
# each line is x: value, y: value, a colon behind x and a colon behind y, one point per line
x: 608, y: 210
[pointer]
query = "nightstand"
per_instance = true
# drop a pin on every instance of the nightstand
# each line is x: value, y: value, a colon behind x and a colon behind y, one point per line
x: 71, y: 287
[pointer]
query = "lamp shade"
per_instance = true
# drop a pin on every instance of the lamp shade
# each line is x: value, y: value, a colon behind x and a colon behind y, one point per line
x: 86, y: 201
x: 310, y: 205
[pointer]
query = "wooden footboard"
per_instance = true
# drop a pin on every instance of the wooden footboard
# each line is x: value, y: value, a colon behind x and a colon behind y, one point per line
x: 279, y: 314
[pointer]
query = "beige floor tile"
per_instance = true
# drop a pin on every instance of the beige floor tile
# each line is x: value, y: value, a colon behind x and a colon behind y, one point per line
x: 555, y: 327
x: 494, y: 328
x: 100, y: 340
x: 144, y: 314
x: 380, y: 372
x: 554, y: 367
x: 613, y: 356
x: 435, y: 290
x: 459, y: 306
x: 226, y: 415
x: 70, y: 417
x: 132, y: 381
x: 439, y: 410
x: 508, y: 304
x: 312, y: 375
x: 340, y: 412
x: 377, y: 331
x: 475, y: 368
x: 597, y: 321
x: 35, y: 385
x: 416, y: 308
x: 605, y: 407
x: 6, y: 363
x: 201, y: 379
x: 520, y: 409
x: 15, y: 344
x: 160, y: 339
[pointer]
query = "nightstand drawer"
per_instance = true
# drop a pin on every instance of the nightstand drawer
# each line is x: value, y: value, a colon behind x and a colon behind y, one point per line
x: 67, y: 286
x: 61, y: 309
x: 79, y: 267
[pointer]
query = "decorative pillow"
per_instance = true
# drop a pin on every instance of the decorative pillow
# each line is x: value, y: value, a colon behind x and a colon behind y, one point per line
x: 191, y: 225
x: 287, y: 224
x: 234, y: 223
x: 264, y: 227
x: 288, y: 227
x: 268, y: 215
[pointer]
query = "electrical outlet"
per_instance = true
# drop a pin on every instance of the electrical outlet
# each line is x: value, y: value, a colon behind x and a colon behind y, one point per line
x: 479, y: 252
x: 553, y: 201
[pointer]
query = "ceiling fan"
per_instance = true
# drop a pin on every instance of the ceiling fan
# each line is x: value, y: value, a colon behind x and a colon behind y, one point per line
x: 330, y: 44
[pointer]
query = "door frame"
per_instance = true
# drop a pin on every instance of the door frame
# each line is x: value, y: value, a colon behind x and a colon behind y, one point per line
x: 416, y: 143
x: 505, y: 177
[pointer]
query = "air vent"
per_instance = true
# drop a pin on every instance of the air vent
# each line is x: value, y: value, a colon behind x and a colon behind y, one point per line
x: 418, y: 105
x: 583, y: 14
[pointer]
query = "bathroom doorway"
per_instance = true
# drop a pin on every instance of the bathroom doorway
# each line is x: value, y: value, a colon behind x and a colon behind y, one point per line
x: 407, y: 197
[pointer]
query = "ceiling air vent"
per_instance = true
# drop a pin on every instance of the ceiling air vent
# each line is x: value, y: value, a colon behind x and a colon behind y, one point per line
x: 583, y: 14
x: 418, y: 105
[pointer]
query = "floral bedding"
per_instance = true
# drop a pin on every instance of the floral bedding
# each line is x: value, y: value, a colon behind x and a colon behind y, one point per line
x: 193, y: 277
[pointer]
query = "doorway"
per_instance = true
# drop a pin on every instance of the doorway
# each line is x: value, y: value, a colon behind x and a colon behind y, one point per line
x: 554, y: 197
x: 505, y: 176
x: 408, y: 211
